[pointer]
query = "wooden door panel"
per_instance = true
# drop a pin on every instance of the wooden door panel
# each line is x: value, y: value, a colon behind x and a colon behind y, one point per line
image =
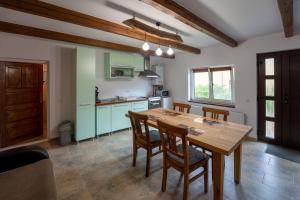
x: 266, y: 132
x: 21, y: 109
x: 25, y: 128
x: 294, y: 101
x: 29, y: 74
x: 23, y: 98
x: 13, y: 77
x: 17, y: 115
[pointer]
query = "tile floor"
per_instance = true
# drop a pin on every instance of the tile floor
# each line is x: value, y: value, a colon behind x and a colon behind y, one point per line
x: 101, y: 170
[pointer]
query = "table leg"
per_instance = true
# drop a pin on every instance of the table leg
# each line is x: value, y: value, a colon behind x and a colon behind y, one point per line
x: 218, y: 175
x: 237, y: 164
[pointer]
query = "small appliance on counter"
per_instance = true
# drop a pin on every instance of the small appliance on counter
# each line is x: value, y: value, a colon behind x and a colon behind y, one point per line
x: 162, y: 93
x: 97, y: 94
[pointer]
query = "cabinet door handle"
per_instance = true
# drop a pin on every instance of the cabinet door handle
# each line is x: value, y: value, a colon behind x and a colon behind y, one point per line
x: 86, y: 104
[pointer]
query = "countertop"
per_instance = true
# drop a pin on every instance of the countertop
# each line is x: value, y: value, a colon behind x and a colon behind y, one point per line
x: 104, y: 103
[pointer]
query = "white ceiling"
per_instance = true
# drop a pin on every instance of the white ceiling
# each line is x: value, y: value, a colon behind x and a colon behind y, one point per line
x: 240, y: 19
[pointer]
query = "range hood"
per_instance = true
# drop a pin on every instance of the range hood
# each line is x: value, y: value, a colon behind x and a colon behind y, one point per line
x: 147, y: 72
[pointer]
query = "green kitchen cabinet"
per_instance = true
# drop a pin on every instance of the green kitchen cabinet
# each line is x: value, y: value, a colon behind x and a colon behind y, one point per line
x: 139, y: 106
x: 138, y: 62
x: 103, y: 119
x: 85, y: 93
x: 121, y: 59
x: 119, y: 120
x: 124, y: 63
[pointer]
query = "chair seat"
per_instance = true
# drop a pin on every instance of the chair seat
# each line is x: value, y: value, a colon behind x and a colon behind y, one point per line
x: 154, y: 136
x: 195, y: 156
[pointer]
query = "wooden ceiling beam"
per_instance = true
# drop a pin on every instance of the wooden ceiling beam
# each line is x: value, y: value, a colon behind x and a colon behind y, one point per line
x: 286, y: 11
x: 182, y: 14
x: 52, y: 35
x: 133, y: 23
x: 62, y: 14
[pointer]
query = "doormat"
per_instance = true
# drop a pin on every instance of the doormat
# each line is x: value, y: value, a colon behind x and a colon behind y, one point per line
x: 282, y: 152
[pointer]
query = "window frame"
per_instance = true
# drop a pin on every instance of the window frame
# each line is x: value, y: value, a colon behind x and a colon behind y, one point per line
x: 211, y: 100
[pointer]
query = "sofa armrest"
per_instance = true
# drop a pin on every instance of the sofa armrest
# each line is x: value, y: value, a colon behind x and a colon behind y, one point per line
x: 18, y: 157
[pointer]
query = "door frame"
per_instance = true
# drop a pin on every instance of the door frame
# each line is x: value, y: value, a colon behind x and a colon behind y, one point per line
x: 19, y: 60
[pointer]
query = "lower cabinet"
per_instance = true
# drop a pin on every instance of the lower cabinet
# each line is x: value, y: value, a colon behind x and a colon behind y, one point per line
x: 139, y: 106
x: 119, y: 120
x: 103, y: 120
x: 111, y: 118
x: 85, y: 127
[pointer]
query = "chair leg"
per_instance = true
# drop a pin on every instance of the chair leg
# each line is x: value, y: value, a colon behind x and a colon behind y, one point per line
x: 206, y: 178
x: 165, y: 177
x: 180, y: 178
x: 149, y: 152
x: 134, y: 155
x: 186, y: 186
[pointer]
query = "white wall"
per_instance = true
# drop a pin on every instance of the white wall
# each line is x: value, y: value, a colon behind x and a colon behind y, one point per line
x: 60, y: 57
x: 242, y: 57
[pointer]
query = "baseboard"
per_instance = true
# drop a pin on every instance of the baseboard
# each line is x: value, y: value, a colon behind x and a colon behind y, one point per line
x: 252, y: 139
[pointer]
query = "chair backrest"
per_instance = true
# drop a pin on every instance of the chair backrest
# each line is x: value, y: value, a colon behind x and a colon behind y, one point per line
x: 170, y: 135
x: 182, y: 107
x: 138, y: 121
x: 215, y: 113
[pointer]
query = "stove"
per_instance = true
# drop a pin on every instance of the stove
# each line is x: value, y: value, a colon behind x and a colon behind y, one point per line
x: 154, y: 102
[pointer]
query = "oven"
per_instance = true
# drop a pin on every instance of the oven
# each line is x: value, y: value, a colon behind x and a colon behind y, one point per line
x: 154, y: 102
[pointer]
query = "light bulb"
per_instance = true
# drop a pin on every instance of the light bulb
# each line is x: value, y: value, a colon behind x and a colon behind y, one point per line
x: 170, y: 51
x: 158, y: 51
x: 146, y: 46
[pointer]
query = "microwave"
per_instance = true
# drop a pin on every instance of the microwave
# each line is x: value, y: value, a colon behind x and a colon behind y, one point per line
x: 162, y: 93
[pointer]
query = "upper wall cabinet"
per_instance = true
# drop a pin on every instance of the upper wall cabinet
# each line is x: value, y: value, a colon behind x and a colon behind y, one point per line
x: 138, y: 62
x: 122, y: 65
x: 120, y: 59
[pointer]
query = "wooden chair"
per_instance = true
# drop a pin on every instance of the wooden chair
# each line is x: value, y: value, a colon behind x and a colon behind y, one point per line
x: 182, y: 107
x: 147, y: 140
x: 215, y: 113
x: 181, y: 157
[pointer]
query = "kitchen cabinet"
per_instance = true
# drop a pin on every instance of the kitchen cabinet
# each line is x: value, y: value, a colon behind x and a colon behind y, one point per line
x: 125, y: 63
x: 139, y: 106
x: 138, y: 62
x: 103, y: 120
x: 112, y: 117
x: 119, y: 120
x: 85, y: 93
x: 120, y: 59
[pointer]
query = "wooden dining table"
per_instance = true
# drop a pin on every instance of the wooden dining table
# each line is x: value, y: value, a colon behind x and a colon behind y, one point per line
x: 219, y: 137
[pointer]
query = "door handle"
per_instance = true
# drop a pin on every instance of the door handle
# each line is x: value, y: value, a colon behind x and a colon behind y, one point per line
x: 87, y: 104
x: 285, y: 99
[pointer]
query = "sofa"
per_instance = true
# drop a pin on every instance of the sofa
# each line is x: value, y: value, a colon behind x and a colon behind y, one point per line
x: 26, y: 173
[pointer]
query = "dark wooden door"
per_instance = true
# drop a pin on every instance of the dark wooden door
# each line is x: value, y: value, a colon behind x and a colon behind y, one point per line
x: 279, y: 97
x: 291, y: 99
x: 269, y: 98
x: 20, y: 102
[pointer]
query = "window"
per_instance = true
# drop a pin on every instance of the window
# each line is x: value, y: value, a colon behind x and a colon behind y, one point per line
x: 212, y: 85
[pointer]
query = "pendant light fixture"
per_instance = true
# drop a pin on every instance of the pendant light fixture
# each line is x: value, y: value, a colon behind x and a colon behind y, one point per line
x: 146, y: 46
x: 158, y: 51
x: 170, y: 51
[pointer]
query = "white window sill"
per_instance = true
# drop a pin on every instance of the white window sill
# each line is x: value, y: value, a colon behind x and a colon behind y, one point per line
x: 222, y: 104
